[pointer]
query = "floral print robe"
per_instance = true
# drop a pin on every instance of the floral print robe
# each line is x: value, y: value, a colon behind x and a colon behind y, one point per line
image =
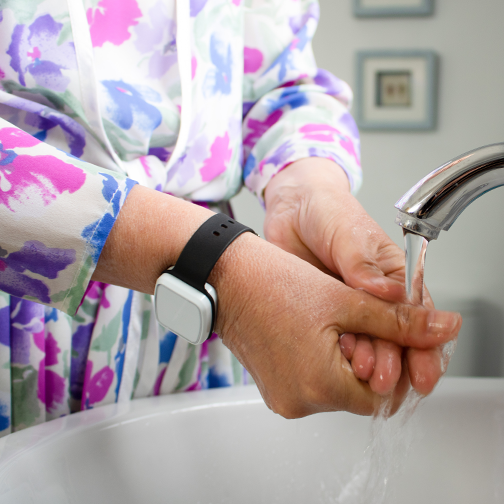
x: 190, y: 97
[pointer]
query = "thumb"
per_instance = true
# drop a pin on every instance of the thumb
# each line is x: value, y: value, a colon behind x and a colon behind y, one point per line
x: 406, y: 325
x: 369, y: 277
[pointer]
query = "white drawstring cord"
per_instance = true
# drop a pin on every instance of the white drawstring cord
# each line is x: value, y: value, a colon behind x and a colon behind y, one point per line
x: 87, y: 75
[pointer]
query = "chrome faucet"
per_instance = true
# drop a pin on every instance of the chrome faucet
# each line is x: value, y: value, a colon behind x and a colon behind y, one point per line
x: 438, y: 199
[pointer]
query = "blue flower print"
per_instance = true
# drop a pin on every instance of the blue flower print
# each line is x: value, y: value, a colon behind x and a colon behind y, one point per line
x: 218, y: 79
x: 128, y: 105
x: 34, y: 49
x: 291, y: 96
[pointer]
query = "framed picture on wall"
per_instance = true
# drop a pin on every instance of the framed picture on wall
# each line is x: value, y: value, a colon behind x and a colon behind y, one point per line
x: 373, y: 8
x: 396, y: 90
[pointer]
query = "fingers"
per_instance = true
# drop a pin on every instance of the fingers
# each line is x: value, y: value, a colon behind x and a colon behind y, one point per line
x: 373, y: 360
x: 425, y: 368
x: 363, y: 360
x: 405, y: 325
x: 387, y: 368
x: 347, y: 344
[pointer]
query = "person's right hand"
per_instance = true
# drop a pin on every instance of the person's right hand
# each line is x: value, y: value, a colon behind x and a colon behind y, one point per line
x: 283, y: 317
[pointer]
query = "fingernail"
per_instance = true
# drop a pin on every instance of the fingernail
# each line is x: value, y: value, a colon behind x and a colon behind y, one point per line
x: 380, y: 282
x: 441, y: 323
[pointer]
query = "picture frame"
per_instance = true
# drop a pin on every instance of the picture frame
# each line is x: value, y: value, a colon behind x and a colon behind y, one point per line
x: 396, y: 89
x: 392, y: 8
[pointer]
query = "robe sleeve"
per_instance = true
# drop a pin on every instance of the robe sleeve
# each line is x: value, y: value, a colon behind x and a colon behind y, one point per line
x: 56, y: 213
x: 292, y: 109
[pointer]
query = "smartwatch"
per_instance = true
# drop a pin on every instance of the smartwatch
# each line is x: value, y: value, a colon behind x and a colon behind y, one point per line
x: 185, y: 303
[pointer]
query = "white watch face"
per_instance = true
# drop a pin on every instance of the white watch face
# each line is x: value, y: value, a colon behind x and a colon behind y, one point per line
x: 183, y: 309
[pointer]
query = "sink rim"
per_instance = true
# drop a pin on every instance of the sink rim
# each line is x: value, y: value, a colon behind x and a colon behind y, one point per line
x: 15, y: 445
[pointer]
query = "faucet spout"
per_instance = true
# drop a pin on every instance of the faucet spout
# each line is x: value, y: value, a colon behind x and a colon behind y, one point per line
x: 438, y: 199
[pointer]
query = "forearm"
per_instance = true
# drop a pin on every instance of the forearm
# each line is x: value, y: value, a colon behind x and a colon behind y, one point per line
x: 148, y: 236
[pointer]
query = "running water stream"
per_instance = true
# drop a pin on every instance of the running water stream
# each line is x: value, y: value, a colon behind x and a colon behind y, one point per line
x: 415, y: 248
x: 391, y: 437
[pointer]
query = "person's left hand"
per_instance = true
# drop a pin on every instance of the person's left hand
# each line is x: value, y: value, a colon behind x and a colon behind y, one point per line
x: 311, y: 213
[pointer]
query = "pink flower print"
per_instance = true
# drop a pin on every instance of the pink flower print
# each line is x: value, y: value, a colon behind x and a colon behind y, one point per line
x: 349, y: 146
x: 327, y: 133
x: 42, y: 176
x: 260, y: 127
x: 41, y: 384
x: 52, y: 350
x: 194, y: 66
x: 96, y: 386
x: 145, y: 165
x: 14, y: 137
x: 159, y: 380
x: 110, y: 21
x: 253, y: 59
x: 220, y: 155
x: 54, y: 390
x: 319, y: 132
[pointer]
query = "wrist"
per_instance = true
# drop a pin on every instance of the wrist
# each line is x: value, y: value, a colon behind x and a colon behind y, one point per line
x: 304, y: 176
x: 147, y: 237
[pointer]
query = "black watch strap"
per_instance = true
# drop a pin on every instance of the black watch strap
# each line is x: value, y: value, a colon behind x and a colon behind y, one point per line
x: 204, y: 248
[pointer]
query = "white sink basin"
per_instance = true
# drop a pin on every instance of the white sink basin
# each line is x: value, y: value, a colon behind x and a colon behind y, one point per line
x: 225, y: 446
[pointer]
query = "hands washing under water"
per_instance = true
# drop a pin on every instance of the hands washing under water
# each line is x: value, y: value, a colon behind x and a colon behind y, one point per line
x: 355, y: 250
x: 317, y: 315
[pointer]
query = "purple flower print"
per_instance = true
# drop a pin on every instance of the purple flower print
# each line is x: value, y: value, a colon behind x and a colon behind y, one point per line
x: 81, y: 339
x: 157, y: 37
x: 27, y: 317
x: 349, y: 123
x: 18, y: 284
x: 44, y: 118
x: 34, y: 49
x: 258, y: 128
x: 197, y: 6
x: 186, y: 166
x: 296, y: 23
x: 34, y: 256
x: 110, y: 21
x: 279, y: 157
x: 161, y: 153
x: 331, y: 84
x: 128, y: 104
x: 5, y: 326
